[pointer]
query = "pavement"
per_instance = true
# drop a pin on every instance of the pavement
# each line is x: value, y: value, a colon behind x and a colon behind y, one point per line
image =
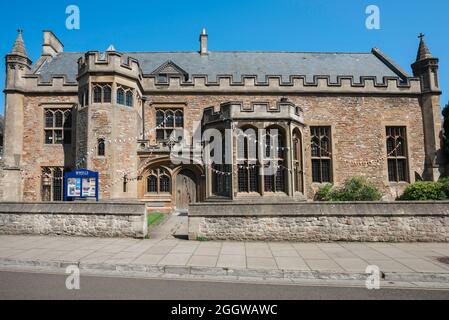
x: 402, y: 264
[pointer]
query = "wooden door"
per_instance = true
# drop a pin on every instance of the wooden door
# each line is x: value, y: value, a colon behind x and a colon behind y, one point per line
x: 185, y: 190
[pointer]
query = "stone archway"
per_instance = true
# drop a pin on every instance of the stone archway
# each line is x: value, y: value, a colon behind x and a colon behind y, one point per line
x: 186, y: 191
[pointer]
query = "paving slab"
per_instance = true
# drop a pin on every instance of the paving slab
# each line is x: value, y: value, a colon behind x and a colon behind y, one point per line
x: 207, y: 251
x: 149, y: 259
x: 231, y: 261
x: 323, y: 265
x: 203, y: 261
x: 421, y: 265
x: 179, y: 259
x: 261, y: 263
x: 291, y: 263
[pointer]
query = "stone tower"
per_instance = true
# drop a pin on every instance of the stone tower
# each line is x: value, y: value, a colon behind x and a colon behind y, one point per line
x: 426, y: 68
x: 17, y: 65
x: 105, y: 116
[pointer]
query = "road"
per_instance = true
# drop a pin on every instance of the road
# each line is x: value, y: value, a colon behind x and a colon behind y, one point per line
x: 30, y: 286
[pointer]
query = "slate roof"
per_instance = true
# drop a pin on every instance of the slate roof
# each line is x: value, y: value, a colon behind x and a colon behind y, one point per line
x: 236, y: 63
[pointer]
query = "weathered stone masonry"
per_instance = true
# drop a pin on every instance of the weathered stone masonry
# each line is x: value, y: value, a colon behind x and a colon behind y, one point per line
x: 316, y: 222
x: 80, y: 219
x: 357, y: 106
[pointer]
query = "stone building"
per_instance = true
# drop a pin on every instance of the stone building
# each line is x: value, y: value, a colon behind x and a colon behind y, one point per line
x: 330, y: 116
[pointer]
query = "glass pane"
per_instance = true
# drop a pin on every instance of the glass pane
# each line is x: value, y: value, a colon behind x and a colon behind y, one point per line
x: 59, y: 119
x: 179, y: 119
x: 402, y: 170
x: 392, y: 170
x: 159, y: 118
x: 97, y: 95
x: 315, y: 147
x: 107, y: 94
x: 68, y: 119
x: 120, y: 96
x: 165, y: 184
x: 152, y: 184
x: 49, y: 119
x: 129, y: 99
x: 160, y: 135
x: 58, y: 136
x: 48, y: 136
x: 169, y: 119
x: 67, y: 137
x: 253, y: 179
x: 326, y: 171
x: 243, y: 179
x: 316, y: 172
x: 280, y: 181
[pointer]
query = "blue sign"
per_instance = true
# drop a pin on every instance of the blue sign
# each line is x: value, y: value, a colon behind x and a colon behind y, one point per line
x: 80, y: 184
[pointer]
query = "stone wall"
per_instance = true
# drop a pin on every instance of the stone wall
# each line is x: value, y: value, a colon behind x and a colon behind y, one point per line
x: 358, y: 125
x: 74, y: 219
x: 315, y: 222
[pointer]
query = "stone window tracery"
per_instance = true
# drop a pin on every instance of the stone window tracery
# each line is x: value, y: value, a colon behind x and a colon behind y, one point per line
x: 58, y: 126
x: 321, y: 154
x: 158, y: 181
x: 397, y: 154
x: 168, y: 121
x: 52, y: 184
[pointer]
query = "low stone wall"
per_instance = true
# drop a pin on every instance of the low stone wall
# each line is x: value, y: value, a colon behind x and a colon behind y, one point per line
x: 74, y: 219
x: 317, y: 222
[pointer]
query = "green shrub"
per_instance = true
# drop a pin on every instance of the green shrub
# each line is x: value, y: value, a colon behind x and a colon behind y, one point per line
x: 324, y: 193
x: 425, y: 190
x: 355, y: 189
x: 445, y: 183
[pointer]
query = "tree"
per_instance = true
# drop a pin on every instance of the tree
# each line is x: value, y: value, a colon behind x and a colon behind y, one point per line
x: 446, y: 130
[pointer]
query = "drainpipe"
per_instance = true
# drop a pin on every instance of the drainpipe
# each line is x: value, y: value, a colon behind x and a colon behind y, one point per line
x: 144, y: 99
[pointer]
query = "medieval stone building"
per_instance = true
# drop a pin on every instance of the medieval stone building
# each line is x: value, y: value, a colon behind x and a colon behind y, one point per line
x: 336, y: 115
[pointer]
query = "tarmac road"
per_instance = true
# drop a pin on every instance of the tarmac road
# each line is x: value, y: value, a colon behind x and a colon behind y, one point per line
x: 31, y: 286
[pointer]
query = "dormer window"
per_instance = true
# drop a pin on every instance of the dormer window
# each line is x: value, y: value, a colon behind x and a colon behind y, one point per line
x: 167, y: 69
x: 162, y: 78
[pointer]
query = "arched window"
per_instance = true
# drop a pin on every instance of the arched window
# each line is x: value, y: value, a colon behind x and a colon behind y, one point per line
x: 49, y: 119
x: 276, y: 152
x: 167, y: 122
x: 158, y: 181
x: 120, y: 96
x: 297, y: 161
x: 152, y: 184
x: 169, y: 119
x: 164, y: 181
x: 129, y: 99
x: 321, y: 154
x: 59, y: 119
x: 179, y: 119
x: 107, y: 94
x: 101, y: 148
x: 52, y: 182
x: 97, y: 94
x: 248, y: 165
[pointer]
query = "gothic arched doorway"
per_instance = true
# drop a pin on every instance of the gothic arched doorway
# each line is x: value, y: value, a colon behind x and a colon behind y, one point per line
x: 186, y: 189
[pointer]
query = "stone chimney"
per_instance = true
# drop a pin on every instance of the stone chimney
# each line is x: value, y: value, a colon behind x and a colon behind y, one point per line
x: 51, y: 45
x: 203, y: 41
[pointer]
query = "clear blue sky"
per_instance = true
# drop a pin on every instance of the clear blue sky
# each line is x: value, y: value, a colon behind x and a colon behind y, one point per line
x: 287, y: 25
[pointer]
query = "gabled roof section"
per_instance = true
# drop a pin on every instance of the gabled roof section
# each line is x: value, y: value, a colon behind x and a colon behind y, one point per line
x: 170, y: 68
x: 237, y: 64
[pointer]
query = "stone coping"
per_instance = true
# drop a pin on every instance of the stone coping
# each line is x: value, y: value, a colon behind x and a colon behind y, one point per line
x: 69, y: 208
x: 287, y: 209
